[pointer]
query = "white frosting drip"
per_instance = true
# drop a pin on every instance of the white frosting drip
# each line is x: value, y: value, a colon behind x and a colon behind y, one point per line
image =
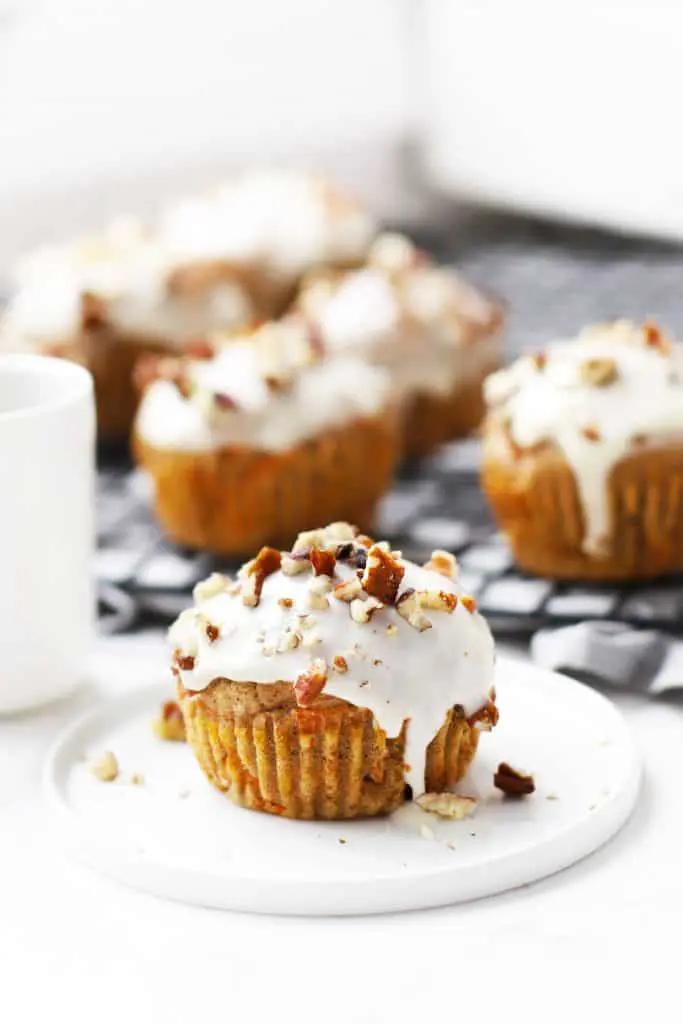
x: 409, y: 675
x: 288, y: 222
x: 400, y: 312
x: 319, y: 396
x: 126, y: 268
x: 555, y: 404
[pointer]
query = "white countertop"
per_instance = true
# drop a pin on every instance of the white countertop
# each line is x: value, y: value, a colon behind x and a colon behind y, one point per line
x: 81, y: 947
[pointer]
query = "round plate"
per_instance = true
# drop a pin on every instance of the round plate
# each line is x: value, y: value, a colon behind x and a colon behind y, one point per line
x: 175, y: 836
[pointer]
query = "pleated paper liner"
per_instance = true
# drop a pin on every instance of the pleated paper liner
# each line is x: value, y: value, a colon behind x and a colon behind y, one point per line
x: 536, y: 502
x: 432, y: 420
x: 330, y: 761
x: 231, y: 501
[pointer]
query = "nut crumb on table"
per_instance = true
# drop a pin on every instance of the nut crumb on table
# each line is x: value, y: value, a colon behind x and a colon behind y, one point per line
x: 106, y: 767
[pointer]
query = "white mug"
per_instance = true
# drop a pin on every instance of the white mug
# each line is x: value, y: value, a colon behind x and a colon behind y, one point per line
x: 47, y: 444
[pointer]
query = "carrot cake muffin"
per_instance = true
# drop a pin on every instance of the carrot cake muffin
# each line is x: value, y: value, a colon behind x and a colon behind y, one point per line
x: 583, y: 455
x: 325, y: 678
x: 102, y: 301
x: 250, y: 443
x: 274, y: 225
x: 435, y: 333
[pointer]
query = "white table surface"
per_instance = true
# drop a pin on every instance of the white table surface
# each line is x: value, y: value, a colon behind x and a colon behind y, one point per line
x: 79, y: 948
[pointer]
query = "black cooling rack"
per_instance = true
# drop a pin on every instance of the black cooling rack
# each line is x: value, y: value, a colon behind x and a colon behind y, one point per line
x: 434, y: 504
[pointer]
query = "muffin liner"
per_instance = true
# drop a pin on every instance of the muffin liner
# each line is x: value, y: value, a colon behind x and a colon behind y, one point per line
x: 536, y: 502
x: 329, y: 761
x: 430, y: 419
x: 233, y: 500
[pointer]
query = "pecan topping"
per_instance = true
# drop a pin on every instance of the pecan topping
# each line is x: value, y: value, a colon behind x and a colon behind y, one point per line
x: 290, y: 641
x: 408, y: 607
x: 348, y: 590
x: 469, y: 602
x: 362, y: 609
x: 512, y: 782
x: 223, y: 402
x: 170, y: 725
x: 212, y: 632
x: 209, y: 587
x: 320, y: 585
x: 383, y: 574
x: 323, y: 562
x: 485, y: 718
x: 539, y: 360
x: 599, y: 373
x: 591, y: 434
x: 318, y: 601
x: 655, y: 338
x: 310, y: 683
x: 444, y: 563
x: 200, y: 348
x: 255, y: 574
x: 308, y: 539
x: 285, y: 602
x: 340, y: 664
x: 106, y: 768
x: 447, y: 805
x: 392, y: 629
x: 294, y: 566
x: 438, y: 600
x: 185, y: 662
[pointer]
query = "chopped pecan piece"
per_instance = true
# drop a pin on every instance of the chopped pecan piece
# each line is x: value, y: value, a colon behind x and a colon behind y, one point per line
x: 106, y: 768
x: 591, y: 433
x: 438, y: 600
x: 323, y: 562
x: 294, y: 566
x: 185, y: 662
x: 382, y: 575
x: 539, y: 360
x: 212, y: 632
x: 310, y: 683
x: 255, y: 574
x: 320, y: 585
x: 599, y: 373
x: 469, y: 602
x: 512, y: 782
x: 348, y: 590
x: 223, y: 402
x: 200, y: 348
x: 656, y: 338
x: 307, y: 540
x: 170, y: 725
x: 285, y: 602
x: 408, y: 607
x: 485, y: 718
x: 318, y: 602
x: 340, y: 664
x: 362, y: 609
x: 444, y: 563
x: 290, y: 641
x: 447, y: 805
x: 209, y: 587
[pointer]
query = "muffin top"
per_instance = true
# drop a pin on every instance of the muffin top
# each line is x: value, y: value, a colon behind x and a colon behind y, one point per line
x: 284, y: 221
x: 599, y: 397
x: 399, y: 310
x: 266, y: 390
x: 125, y: 278
x: 345, y: 616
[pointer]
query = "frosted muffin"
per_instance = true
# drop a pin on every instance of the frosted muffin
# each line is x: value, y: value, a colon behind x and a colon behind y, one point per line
x: 275, y: 225
x: 435, y: 333
x: 249, y: 444
x: 105, y: 300
x: 583, y: 455
x: 324, y: 679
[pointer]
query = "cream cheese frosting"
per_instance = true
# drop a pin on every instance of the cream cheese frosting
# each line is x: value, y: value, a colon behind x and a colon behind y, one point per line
x: 402, y: 312
x: 268, y: 390
x: 409, y: 660
x: 281, y: 220
x: 129, y: 272
x: 618, y: 385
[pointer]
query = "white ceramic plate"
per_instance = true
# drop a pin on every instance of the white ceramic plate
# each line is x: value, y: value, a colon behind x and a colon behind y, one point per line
x: 177, y: 837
